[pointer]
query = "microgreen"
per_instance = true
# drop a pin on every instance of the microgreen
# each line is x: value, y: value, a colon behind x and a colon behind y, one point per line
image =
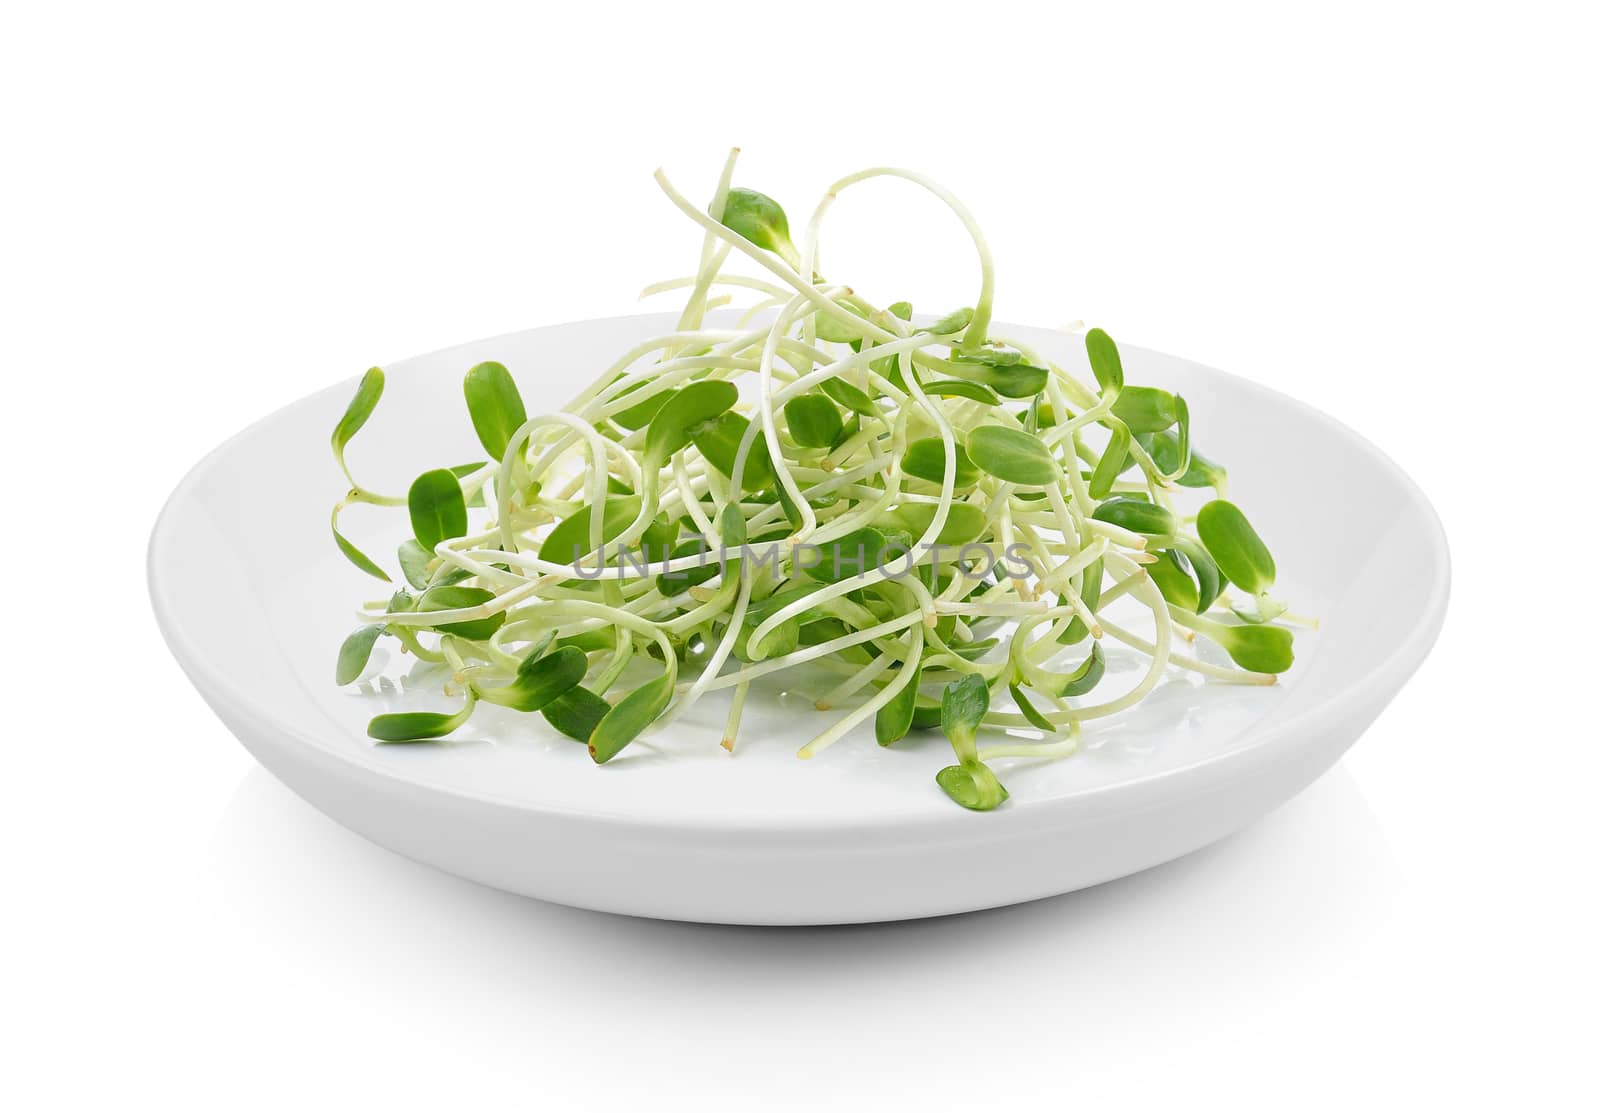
x: 627, y: 719
x: 1167, y: 451
x: 1012, y: 455
x: 1146, y: 409
x: 1175, y: 579
x: 1236, y: 547
x: 823, y: 432
x: 1104, y: 360
x: 1093, y: 580
x: 1030, y: 712
x: 1112, y: 460
x: 414, y: 560
x: 355, y: 652
x: 813, y: 421
x: 894, y: 718
x: 718, y: 441
x: 856, y: 552
x: 963, y: 524
x: 925, y: 459
x: 961, y: 711
x: 1080, y: 681
x: 638, y: 415
x: 692, y: 406
x: 1013, y: 380
x: 569, y: 540
x: 850, y: 396
x: 438, y: 509
x: 576, y: 712
x: 418, y: 726
x: 539, y: 680
x: 970, y: 783
x: 356, y: 414
x: 1258, y: 647
x: 962, y: 388
x: 356, y: 557
x: 1138, y: 516
x: 451, y: 597
x: 495, y: 406
x: 1208, y: 577
x: 761, y: 220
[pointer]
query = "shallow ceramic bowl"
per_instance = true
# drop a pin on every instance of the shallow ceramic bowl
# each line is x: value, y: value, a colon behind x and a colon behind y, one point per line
x: 254, y: 601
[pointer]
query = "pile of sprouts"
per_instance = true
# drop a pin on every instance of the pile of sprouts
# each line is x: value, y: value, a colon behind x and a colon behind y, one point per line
x: 940, y: 513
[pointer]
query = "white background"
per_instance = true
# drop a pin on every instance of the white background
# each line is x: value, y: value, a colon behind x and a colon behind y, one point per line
x: 1387, y: 210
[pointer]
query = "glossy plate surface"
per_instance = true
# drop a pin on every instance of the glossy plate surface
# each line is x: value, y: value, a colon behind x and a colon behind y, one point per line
x: 254, y: 601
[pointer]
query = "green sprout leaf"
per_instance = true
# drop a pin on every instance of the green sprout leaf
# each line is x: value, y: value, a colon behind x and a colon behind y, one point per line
x: 540, y: 680
x: 638, y: 415
x: 451, y: 597
x: 893, y: 721
x: 761, y: 220
x: 1257, y: 648
x: 1014, y: 380
x: 783, y: 640
x: 962, y: 708
x: 813, y: 421
x: 1236, y: 547
x: 694, y: 405
x: 355, y: 416
x: 973, y: 785
x: 1012, y: 455
x: 495, y: 405
x: 1183, y: 437
x: 731, y: 525
x: 965, y: 522
x: 629, y: 717
x: 924, y: 459
x: 1112, y: 460
x: 856, y: 552
x: 833, y: 329
x: 990, y: 356
x: 1079, y: 682
x: 951, y: 323
x: 1208, y: 577
x: 1093, y: 578
x: 576, y: 712
x: 1021, y: 381
x: 1139, y: 516
x: 1146, y: 409
x: 1104, y: 360
x: 569, y: 541
x: 590, y: 641
x: 962, y: 388
x: 1082, y: 680
x: 414, y: 561
x: 355, y: 652
x: 718, y: 441
x: 418, y: 726
x: 356, y: 557
x: 658, y: 538
x: 849, y: 396
x: 438, y: 509
x: 1030, y: 712
x: 1167, y: 452
x: 672, y: 583
x: 1173, y: 576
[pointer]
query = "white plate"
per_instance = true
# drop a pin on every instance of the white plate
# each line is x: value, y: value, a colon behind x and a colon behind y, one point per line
x: 254, y: 600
